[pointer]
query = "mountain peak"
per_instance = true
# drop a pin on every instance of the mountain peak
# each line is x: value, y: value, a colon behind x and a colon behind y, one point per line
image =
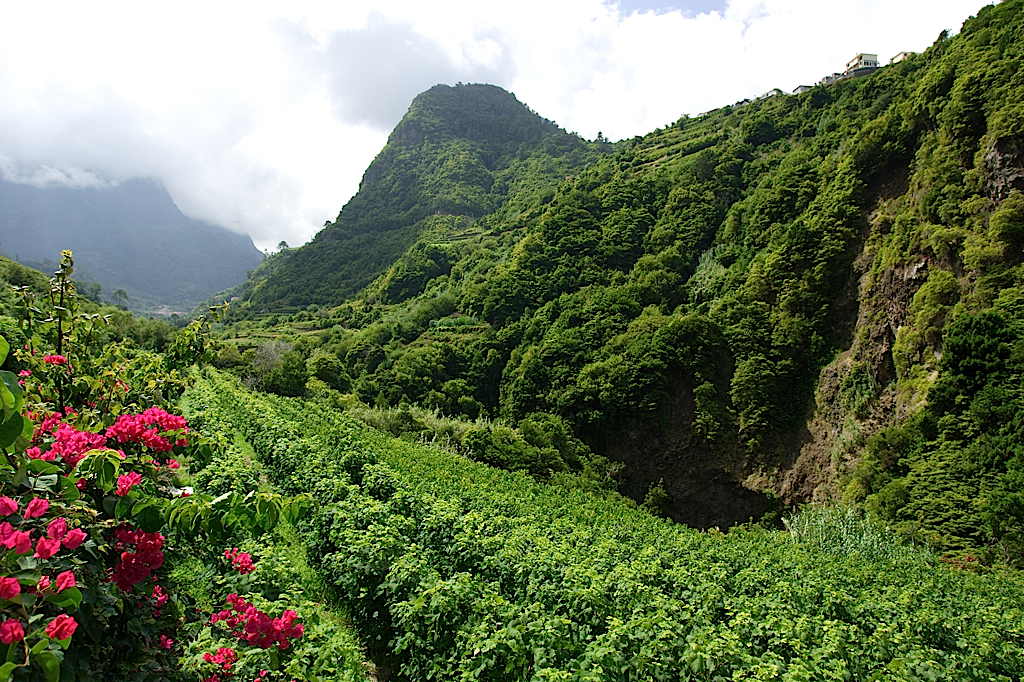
x: 477, y: 112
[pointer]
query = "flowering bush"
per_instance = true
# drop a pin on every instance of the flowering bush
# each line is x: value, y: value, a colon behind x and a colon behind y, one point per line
x: 240, y: 561
x: 84, y: 526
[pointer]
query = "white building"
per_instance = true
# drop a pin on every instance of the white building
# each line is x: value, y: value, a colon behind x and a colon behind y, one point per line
x: 862, y: 61
x: 900, y: 57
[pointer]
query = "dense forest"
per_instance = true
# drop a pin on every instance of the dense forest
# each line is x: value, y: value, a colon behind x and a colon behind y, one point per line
x: 740, y: 399
x: 773, y: 303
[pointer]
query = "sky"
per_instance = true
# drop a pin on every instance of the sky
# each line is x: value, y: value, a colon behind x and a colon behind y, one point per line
x: 261, y: 116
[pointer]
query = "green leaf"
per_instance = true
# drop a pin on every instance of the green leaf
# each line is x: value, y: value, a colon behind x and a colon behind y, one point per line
x: 6, y: 670
x: 40, y: 645
x: 19, y: 476
x: 11, y: 429
x: 123, y: 508
x: 149, y: 519
x: 69, y: 596
x: 38, y: 466
x: 51, y: 667
x: 7, y: 400
x: 68, y: 490
x: 5, y: 348
x: 23, y: 441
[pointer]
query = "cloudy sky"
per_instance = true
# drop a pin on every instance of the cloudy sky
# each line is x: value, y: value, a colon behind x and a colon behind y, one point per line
x: 262, y: 116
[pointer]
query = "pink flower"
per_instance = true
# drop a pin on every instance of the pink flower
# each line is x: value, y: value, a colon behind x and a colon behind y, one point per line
x: 61, y: 627
x: 74, y: 538
x: 46, y: 548
x: 9, y: 588
x: 173, y: 464
x: 141, y: 554
x: 37, y: 507
x: 72, y: 444
x: 24, y: 373
x: 56, y: 529
x: 65, y: 580
x: 11, y: 631
x: 18, y: 540
x: 80, y: 484
x: 43, y: 584
x: 7, y: 506
x: 126, y: 481
x: 166, y: 642
x: 55, y: 359
x: 240, y: 561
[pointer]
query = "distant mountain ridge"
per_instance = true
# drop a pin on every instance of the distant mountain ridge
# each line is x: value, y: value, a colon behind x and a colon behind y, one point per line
x: 131, y: 236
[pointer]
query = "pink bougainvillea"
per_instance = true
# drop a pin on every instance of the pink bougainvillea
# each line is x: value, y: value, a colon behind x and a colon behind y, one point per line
x: 72, y: 444
x: 37, y: 507
x: 65, y: 580
x: 61, y: 627
x: 74, y: 538
x: 145, y: 429
x: 142, y: 553
x: 240, y: 561
x: 11, y: 631
x: 251, y: 625
x: 9, y: 588
x: 126, y: 481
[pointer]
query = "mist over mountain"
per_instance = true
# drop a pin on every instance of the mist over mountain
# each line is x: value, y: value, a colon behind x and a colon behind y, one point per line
x: 130, y: 236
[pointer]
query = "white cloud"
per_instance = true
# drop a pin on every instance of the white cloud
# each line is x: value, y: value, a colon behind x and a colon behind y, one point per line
x: 262, y: 116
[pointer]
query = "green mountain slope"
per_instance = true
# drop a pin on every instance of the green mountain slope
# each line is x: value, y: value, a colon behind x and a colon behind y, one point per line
x: 455, y: 570
x: 459, y: 153
x: 129, y: 237
x: 811, y: 297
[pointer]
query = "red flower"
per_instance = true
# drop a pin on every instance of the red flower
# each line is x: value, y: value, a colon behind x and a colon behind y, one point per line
x: 126, y: 481
x: 46, y: 548
x: 9, y: 588
x: 61, y: 627
x: 74, y: 538
x: 7, y: 506
x: 11, y: 631
x: 56, y: 529
x: 240, y: 561
x: 166, y: 642
x: 65, y: 580
x: 43, y: 584
x: 173, y: 464
x: 135, y: 566
x: 18, y: 540
x: 37, y: 507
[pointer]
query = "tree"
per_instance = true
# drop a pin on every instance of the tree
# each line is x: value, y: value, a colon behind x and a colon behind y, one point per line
x: 120, y: 298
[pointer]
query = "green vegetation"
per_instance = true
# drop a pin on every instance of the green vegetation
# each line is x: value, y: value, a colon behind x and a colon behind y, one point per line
x: 677, y: 300
x: 455, y: 570
x: 460, y: 154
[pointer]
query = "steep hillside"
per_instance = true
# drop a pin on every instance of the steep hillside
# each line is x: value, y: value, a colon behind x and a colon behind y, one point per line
x: 129, y: 237
x: 811, y: 297
x: 458, y: 154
